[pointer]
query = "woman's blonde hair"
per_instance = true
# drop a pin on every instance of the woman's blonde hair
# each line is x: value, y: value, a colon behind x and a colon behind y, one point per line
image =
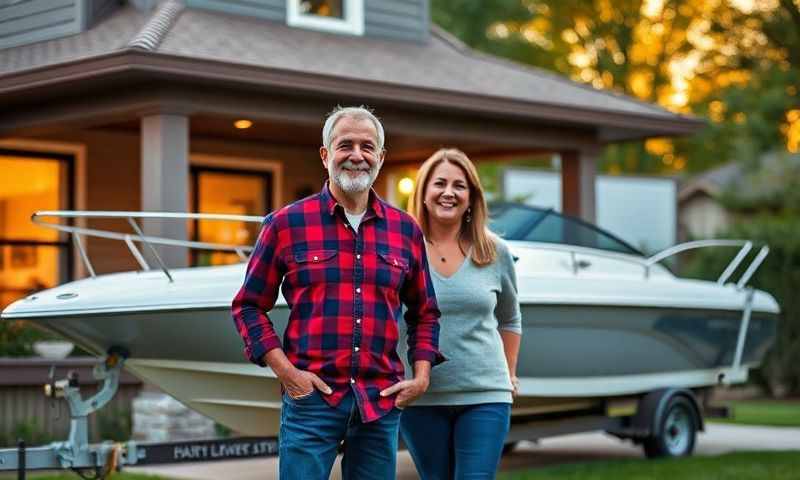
x: 475, y: 231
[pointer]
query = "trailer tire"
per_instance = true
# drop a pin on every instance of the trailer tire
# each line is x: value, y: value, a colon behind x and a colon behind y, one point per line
x: 677, y: 430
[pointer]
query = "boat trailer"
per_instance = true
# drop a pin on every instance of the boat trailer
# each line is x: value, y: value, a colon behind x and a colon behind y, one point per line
x: 97, y: 461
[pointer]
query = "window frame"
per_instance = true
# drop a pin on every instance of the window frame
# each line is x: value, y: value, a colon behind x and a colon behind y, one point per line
x: 352, y: 24
x: 65, y: 263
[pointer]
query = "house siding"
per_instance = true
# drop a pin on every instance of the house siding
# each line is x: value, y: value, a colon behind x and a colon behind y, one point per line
x: 395, y: 19
x: 29, y: 21
x: 266, y: 9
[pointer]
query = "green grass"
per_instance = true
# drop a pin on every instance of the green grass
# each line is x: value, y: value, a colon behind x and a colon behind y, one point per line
x: 72, y: 476
x: 773, y: 413
x: 737, y: 466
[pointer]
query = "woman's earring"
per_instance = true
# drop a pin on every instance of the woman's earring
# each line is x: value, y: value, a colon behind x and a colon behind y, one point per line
x: 469, y: 215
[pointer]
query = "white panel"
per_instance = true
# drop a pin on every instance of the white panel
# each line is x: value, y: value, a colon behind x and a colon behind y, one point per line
x: 640, y: 210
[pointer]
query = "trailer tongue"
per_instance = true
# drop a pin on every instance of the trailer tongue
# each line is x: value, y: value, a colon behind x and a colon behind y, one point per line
x: 96, y: 461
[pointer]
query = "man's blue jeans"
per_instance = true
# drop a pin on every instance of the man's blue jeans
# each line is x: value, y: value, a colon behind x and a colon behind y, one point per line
x: 456, y: 442
x: 312, y: 430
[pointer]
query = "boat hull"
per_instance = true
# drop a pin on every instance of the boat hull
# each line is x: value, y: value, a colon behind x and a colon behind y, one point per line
x: 571, y: 356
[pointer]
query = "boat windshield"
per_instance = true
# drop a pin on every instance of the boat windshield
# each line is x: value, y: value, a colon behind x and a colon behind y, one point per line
x: 531, y: 224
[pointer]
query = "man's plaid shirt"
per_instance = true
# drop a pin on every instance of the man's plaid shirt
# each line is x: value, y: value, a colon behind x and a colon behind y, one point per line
x: 344, y: 290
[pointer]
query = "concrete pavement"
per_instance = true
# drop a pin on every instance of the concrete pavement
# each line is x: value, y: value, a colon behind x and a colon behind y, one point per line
x: 583, y: 447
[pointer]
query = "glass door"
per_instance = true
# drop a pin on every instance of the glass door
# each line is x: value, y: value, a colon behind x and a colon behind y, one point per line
x: 238, y: 192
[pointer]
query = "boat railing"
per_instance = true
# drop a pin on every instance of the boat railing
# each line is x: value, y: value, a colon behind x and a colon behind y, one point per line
x: 149, y: 241
x: 648, y: 263
x: 78, y: 232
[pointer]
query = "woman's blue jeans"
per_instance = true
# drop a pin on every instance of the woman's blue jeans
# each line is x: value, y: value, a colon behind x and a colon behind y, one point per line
x: 456, y: 442
x: 312, y: 430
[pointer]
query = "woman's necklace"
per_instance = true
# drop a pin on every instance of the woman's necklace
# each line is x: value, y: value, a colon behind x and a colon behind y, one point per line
x: 438, y: 252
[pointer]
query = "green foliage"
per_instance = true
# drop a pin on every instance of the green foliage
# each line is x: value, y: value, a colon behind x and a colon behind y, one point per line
x: 751, y: 123
x: 17, y: 338
x: 222, y: 431
x: 116, y: 476
x: 28, y: 430
x: 739, y: 466
x: 114, y: 424
x: 779, y: 275
x: 745, y: 80
x: 764, y: 412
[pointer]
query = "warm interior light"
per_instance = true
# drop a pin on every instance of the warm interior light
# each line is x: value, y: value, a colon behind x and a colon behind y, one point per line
x: 405, y: 186
x: 242, y: 124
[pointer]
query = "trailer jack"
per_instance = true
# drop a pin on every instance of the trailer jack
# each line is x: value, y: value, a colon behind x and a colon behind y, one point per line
x: 76, y: 453
x: 97, y: 461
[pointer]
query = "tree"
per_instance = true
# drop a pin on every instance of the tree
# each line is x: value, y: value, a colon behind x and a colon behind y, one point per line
x: 716, y: 59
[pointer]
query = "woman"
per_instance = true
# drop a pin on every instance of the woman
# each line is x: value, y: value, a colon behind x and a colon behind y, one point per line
x: 457, y: 428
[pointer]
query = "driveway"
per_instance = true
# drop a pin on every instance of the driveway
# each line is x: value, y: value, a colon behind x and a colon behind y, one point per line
x: 583, y: 447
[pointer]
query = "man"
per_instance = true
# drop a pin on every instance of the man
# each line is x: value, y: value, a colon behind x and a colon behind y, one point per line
x: 347, y: 261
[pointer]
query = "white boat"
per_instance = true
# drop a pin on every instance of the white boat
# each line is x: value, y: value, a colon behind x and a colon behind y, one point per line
x: 601, y: 321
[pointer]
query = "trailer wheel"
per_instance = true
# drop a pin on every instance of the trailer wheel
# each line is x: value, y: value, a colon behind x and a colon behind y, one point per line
x: 677, y: 433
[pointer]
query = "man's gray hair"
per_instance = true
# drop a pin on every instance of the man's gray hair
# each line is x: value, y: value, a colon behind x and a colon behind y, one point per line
x: 358, y: 113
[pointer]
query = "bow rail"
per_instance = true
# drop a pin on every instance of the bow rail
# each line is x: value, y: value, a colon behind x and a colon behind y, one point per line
x: 78, y: 232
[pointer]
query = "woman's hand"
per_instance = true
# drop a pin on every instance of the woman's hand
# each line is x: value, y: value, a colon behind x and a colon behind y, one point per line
x: 514, y: 386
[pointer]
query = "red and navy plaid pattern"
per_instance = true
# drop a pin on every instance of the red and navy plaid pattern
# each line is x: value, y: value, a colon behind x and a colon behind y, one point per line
x: 344, y: 290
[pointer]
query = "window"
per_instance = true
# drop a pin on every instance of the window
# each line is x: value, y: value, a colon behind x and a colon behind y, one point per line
x: 340, y: 16
x: 515, y: 222
x: 235, y: 192
x: 31, y: 257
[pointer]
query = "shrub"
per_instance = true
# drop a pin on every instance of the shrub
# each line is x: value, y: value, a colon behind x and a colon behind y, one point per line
x: 114, y: 424
x: 28, y: 430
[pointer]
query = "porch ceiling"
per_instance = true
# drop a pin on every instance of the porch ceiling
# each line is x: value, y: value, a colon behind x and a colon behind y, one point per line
x: 401, y: 147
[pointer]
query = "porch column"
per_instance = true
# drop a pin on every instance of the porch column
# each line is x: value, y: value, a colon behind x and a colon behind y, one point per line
x: 165, y: 179
x: 578, y: 172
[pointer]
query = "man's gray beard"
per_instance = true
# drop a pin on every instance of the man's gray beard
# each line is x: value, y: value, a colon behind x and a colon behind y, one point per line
x: 343, y: 180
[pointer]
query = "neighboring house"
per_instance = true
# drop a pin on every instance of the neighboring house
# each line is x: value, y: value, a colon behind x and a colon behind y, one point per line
x: 638, y: 209
x: 217, y: 106
x: 701, y: 210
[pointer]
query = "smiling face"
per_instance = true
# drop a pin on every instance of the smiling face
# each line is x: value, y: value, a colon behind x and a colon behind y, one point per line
x: 447, y: 194
x: 354, y: 159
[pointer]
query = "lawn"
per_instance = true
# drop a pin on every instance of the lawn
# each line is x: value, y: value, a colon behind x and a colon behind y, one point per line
x: 738, y: 466
x: 72, y: 476
x: 775, y: 413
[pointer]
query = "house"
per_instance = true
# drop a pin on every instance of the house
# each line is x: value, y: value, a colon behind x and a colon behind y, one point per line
x: 703, y: 211
x: 217, y: 106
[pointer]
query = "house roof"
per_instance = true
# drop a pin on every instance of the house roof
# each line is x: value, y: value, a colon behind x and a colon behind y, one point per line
x: 772, y: 171
x: 442, y: 70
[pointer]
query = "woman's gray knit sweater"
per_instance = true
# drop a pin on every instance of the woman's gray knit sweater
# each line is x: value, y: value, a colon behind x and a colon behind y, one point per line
x: 476, y: 303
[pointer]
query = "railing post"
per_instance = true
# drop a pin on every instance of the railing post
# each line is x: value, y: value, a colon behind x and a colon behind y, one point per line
x: 139, y: 232
x: 21, y: 467
x: 751, y: 269
x: 743, y: 326
x: 735, y: 263
x: 77, y: 239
